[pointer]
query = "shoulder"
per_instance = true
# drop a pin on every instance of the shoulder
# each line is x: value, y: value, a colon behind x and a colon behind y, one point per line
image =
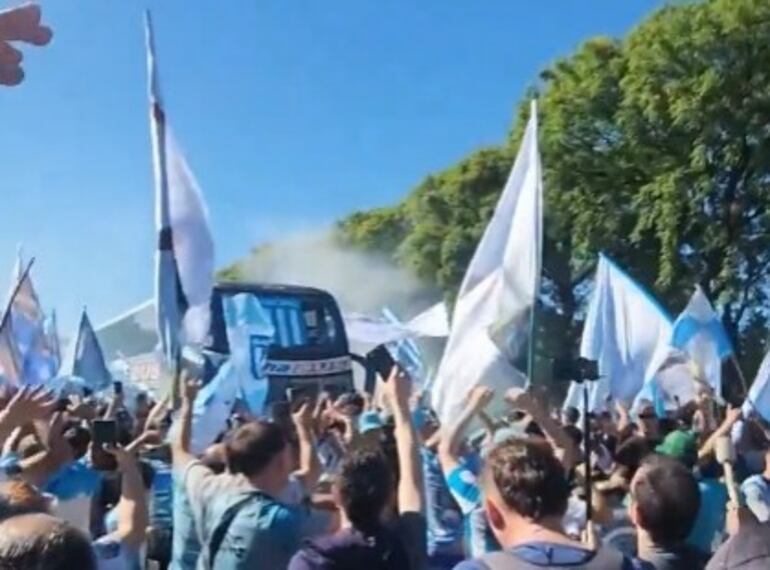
x: 111, y: 554
x: 471, y: 565
x: 754, y: 483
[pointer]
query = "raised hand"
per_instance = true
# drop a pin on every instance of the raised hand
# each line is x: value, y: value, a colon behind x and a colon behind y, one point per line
x: 398, y: 388
x: 29, y: 404
x: 479, y: 397
x: 303, y: 417
x: 19, y: 24
x: 190, y: 388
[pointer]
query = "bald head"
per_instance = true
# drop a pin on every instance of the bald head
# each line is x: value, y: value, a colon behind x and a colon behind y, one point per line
x: 40, y: 541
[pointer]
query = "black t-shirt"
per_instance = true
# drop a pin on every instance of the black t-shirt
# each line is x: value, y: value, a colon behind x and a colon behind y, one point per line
x: 400, y: 546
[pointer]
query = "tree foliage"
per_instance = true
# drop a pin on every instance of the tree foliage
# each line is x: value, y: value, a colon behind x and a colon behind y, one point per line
x: 655, y: 150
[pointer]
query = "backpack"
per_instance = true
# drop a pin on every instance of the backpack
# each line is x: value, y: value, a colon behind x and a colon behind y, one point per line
x: 604, y: 559
x: 220, y: 531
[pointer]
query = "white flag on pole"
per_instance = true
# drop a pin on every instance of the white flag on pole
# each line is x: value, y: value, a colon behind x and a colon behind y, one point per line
x: 626, y: 331
x: 184, y: 266
x: 491, y: 318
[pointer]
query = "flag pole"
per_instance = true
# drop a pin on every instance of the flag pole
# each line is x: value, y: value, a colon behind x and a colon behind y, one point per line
x: 538, y: 277
x: 15, y: 292
x: 739, y: 371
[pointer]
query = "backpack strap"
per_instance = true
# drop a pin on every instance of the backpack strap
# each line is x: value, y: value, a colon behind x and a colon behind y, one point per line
x: 223, y: 525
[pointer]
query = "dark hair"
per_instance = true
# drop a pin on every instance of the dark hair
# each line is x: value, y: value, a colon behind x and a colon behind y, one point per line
x: 667, y: 498
x: 58, y: 547
x: 79, y: 439
x: 571, y: 415
x: 365, y: 484
x: 253, y: 446
x: 529, y: 478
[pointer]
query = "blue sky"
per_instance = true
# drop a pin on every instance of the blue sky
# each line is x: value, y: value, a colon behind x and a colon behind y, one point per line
x: 292, y: 113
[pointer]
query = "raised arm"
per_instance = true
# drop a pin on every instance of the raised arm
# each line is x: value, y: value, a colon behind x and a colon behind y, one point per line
x: 133, y: 516
x: 732, y: 416
x: 27, y: 405
x: 554, y: 433
x: 310, y: 470
x: 180, y: 441
x: 410, y: 487
x: 452, y: 434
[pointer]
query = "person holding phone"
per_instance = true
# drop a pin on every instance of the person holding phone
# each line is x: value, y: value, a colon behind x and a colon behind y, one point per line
x: 242, y: 522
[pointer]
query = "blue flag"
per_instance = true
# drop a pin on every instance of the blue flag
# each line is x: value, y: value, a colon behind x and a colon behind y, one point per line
x: 85, y: 359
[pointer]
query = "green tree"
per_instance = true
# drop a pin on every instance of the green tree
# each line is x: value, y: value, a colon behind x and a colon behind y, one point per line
x: 655, y: 150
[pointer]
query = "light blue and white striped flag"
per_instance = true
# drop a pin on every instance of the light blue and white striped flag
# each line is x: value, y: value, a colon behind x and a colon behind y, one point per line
x: 250, y: 332
x: 699, y: 333
x: 184, y: 263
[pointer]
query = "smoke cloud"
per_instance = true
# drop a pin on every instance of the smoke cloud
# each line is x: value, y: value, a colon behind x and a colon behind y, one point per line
x: 360, y: 282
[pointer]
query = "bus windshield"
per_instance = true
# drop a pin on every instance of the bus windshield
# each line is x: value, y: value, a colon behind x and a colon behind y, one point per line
x: 306, y: 325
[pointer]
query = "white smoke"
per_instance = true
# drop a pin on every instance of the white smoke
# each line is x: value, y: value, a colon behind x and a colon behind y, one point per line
x: 360, y: 282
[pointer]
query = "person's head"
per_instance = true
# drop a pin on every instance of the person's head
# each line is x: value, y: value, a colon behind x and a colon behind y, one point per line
x: 364, y: 488
x: 665, y: 499
x: 570, y: 416
x: 370, y: 427
x: 42, y: 541
x: 79, y: 439
x: 524, y: 484
x: 682, y: 446
x: 19, y: 497
x: 647, y: 420
x: 259, y: 449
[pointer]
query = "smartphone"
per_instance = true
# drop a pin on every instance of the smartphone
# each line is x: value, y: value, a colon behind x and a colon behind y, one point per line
x: 117, y: 387
x: 297, y: 396
x: 104, y: 434
x: 381, y: 361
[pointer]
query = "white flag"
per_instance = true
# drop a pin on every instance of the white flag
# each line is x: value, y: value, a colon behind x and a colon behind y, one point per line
x: 184, y: 270
x: 432, y: 322
x: 492, y: 314
x: 626, y: 331
x: 758, y: 399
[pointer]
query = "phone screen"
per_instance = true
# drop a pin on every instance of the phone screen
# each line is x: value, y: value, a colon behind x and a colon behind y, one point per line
x: 381, y: 361
x: 117, y: 387
x: 104, y: 434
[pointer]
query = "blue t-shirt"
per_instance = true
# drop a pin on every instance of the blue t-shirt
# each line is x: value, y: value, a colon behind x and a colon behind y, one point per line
x: 186, y: 546
x: 162, y: 495
x: 464, y: 486
x: 112, y: 555
x: 444, y: 519
x: 710, y: 522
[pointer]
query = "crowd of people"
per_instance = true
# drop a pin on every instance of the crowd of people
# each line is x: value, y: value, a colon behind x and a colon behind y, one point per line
x: 353, y: 483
